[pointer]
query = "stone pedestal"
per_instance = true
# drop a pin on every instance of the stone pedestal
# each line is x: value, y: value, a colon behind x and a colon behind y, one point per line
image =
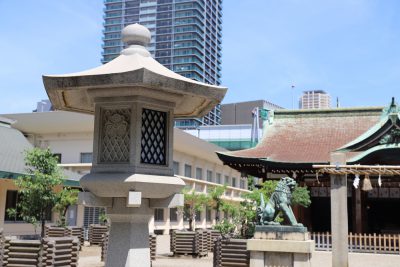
x: 283, y: 246
x: 129, y: 234
x: 129, y: 230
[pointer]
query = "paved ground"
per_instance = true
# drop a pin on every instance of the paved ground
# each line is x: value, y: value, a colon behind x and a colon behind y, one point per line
x: 324, y: 259
x: 90, y: 257
x: 183, y: 262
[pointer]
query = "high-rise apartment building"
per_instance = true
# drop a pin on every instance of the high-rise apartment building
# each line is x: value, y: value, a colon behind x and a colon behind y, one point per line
x: 186, y: 38
x: 315, y: 99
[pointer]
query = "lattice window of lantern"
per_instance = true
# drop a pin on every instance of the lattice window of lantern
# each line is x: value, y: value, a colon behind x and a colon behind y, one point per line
x: 115, y: 135
x: 154, y: 137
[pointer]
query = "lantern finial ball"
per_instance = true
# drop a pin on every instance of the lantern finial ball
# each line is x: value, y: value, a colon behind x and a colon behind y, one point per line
x: 136, y: 34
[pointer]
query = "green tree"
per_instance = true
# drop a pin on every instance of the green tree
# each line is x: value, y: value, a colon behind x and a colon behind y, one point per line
x: 37, y: 188
x: 301, y: 196
x: 65, y: 198
x: 216, y: 201
x: 194, y: 202
x: 225, y: 227
x: 250, y: 183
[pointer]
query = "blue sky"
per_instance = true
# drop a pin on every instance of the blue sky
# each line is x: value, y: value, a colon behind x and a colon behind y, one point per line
x: 350, y: 48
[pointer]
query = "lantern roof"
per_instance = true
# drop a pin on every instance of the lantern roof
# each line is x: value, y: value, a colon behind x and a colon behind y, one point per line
x: 133, y: 73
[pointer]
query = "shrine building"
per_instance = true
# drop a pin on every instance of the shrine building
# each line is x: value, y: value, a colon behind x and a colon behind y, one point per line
x: 295, y: 140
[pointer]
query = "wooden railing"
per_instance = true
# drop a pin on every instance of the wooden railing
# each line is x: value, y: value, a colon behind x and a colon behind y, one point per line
x: 369, y: 243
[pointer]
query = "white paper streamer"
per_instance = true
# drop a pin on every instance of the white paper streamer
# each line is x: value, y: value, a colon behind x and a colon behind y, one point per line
x: 356, y: 181
x: 379, y: 181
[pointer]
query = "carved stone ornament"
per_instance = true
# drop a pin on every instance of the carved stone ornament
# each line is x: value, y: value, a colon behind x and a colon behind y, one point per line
x: 115, y: 135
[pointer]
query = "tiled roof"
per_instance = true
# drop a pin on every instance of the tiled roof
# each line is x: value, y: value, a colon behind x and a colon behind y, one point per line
x: 309, y: 136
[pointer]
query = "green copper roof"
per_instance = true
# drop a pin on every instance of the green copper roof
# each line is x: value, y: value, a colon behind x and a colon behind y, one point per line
x: 390, y: 120
x: 233, y: 145
x: 386, y: 149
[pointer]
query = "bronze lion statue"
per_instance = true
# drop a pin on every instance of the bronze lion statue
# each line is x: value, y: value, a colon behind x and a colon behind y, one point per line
x: 280, y: 201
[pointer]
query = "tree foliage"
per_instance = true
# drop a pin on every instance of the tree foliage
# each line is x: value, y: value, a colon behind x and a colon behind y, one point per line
x: 65, y: 198
x: 301, y: 196
x: 216, y: 201
x: 38, y: 187
x: 225, y: 227
x: 194, y: 202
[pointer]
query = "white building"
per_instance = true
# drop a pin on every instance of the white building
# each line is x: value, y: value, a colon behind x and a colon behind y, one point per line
x: 70, y: 136
x: 315, y: 99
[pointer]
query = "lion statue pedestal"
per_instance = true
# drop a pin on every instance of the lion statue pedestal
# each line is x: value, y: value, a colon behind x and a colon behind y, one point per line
x: 280, y: 245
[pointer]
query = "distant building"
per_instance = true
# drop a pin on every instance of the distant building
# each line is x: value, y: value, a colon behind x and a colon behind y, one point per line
x: 186, y: 38
x: 43, y: 106
x: 230, y: 137
x: 239, y: 130
x: 315, y: 99
x: 242, y: 112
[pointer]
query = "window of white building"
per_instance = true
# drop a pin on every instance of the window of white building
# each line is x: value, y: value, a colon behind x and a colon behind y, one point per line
x: 159, y: 215
x: 218, y: 178
x: 173, y: 214
x: 209, y: 176
x: 58, y: 156
x: 242, y: 184
x: 199, y: 173
x: 198, y: 216
x: 176, y: 168
x: 234, y: 181
x: 91, y: 216
x: 227, y: 182
x: 86, y: 157
x: 188, y: 170
x: 208, y: 215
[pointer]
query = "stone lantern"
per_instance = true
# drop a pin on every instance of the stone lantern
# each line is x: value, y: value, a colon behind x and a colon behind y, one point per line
x: 134, y: 100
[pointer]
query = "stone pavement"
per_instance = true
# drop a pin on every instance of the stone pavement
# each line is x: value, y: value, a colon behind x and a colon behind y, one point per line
x: 324, y: 259
x: 90, y: 257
